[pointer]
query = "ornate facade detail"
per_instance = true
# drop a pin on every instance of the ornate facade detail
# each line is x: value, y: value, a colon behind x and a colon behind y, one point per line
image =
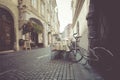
x: 22, y: 9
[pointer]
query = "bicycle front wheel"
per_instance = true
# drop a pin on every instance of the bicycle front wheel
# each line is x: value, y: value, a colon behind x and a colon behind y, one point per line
x: 77, y: 57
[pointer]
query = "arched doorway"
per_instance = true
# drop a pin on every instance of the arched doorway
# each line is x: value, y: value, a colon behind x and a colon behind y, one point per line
x: 6, y: 30
x: 37, y: 32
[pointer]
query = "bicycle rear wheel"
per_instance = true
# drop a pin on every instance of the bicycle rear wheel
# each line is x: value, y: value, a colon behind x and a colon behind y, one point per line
x: 104, y: 64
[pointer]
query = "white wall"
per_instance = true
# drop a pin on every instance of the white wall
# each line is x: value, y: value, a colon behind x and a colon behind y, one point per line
x: 83, y: 25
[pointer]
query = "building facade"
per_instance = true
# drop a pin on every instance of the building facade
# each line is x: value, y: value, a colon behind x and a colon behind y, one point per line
x: 29, y: 20
x: 68, y: 32
x: 9, y: 25
x: 80, y: 10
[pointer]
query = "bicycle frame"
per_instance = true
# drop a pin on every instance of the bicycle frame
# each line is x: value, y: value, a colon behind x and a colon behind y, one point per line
x: 75, y: 46
x: 76, y: 38
x: 74, y: 50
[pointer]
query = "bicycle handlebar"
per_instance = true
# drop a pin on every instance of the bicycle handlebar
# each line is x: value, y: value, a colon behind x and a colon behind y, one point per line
x: 76, y: 37
x: 74, y: 34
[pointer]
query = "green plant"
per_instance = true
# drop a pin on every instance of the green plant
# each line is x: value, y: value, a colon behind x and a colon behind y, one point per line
x: 37, y: 28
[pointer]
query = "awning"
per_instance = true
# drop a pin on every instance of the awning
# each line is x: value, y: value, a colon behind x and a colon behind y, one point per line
x: 37, y: 28
x: 37, y: 25
x: 37, y: 21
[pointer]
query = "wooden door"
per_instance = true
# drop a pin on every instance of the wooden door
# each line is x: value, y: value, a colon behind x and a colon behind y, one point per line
x: 6, y: 31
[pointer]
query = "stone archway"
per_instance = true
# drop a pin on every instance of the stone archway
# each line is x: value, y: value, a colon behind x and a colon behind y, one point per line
x: 7, y: 35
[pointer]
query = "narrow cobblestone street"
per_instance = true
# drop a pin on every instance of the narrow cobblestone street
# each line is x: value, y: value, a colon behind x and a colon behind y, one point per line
x: 59, y: 40
x: 36, y: 65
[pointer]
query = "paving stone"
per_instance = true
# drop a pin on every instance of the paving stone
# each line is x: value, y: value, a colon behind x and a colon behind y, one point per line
x: 27, y: 66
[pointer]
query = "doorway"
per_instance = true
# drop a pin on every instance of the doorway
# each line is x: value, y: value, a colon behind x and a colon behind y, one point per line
x: 6, y: 30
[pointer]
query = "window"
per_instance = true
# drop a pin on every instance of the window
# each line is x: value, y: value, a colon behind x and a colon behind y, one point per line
x: 34, y: 3
x: 42, y: 7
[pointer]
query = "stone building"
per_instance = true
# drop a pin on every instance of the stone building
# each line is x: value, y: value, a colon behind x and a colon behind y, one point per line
x: 29, y: 20
x: 68, y: 32
x: 102, y: 29
x: 9, y: 31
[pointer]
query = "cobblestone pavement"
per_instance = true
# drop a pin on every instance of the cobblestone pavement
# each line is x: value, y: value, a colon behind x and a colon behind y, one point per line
x: 32, y: 66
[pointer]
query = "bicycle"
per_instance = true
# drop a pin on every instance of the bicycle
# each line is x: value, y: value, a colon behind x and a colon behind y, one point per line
x: 74, y: 53
x: 78, y: 54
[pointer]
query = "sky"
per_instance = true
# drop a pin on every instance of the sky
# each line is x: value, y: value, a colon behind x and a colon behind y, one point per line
x: 64, y: 13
